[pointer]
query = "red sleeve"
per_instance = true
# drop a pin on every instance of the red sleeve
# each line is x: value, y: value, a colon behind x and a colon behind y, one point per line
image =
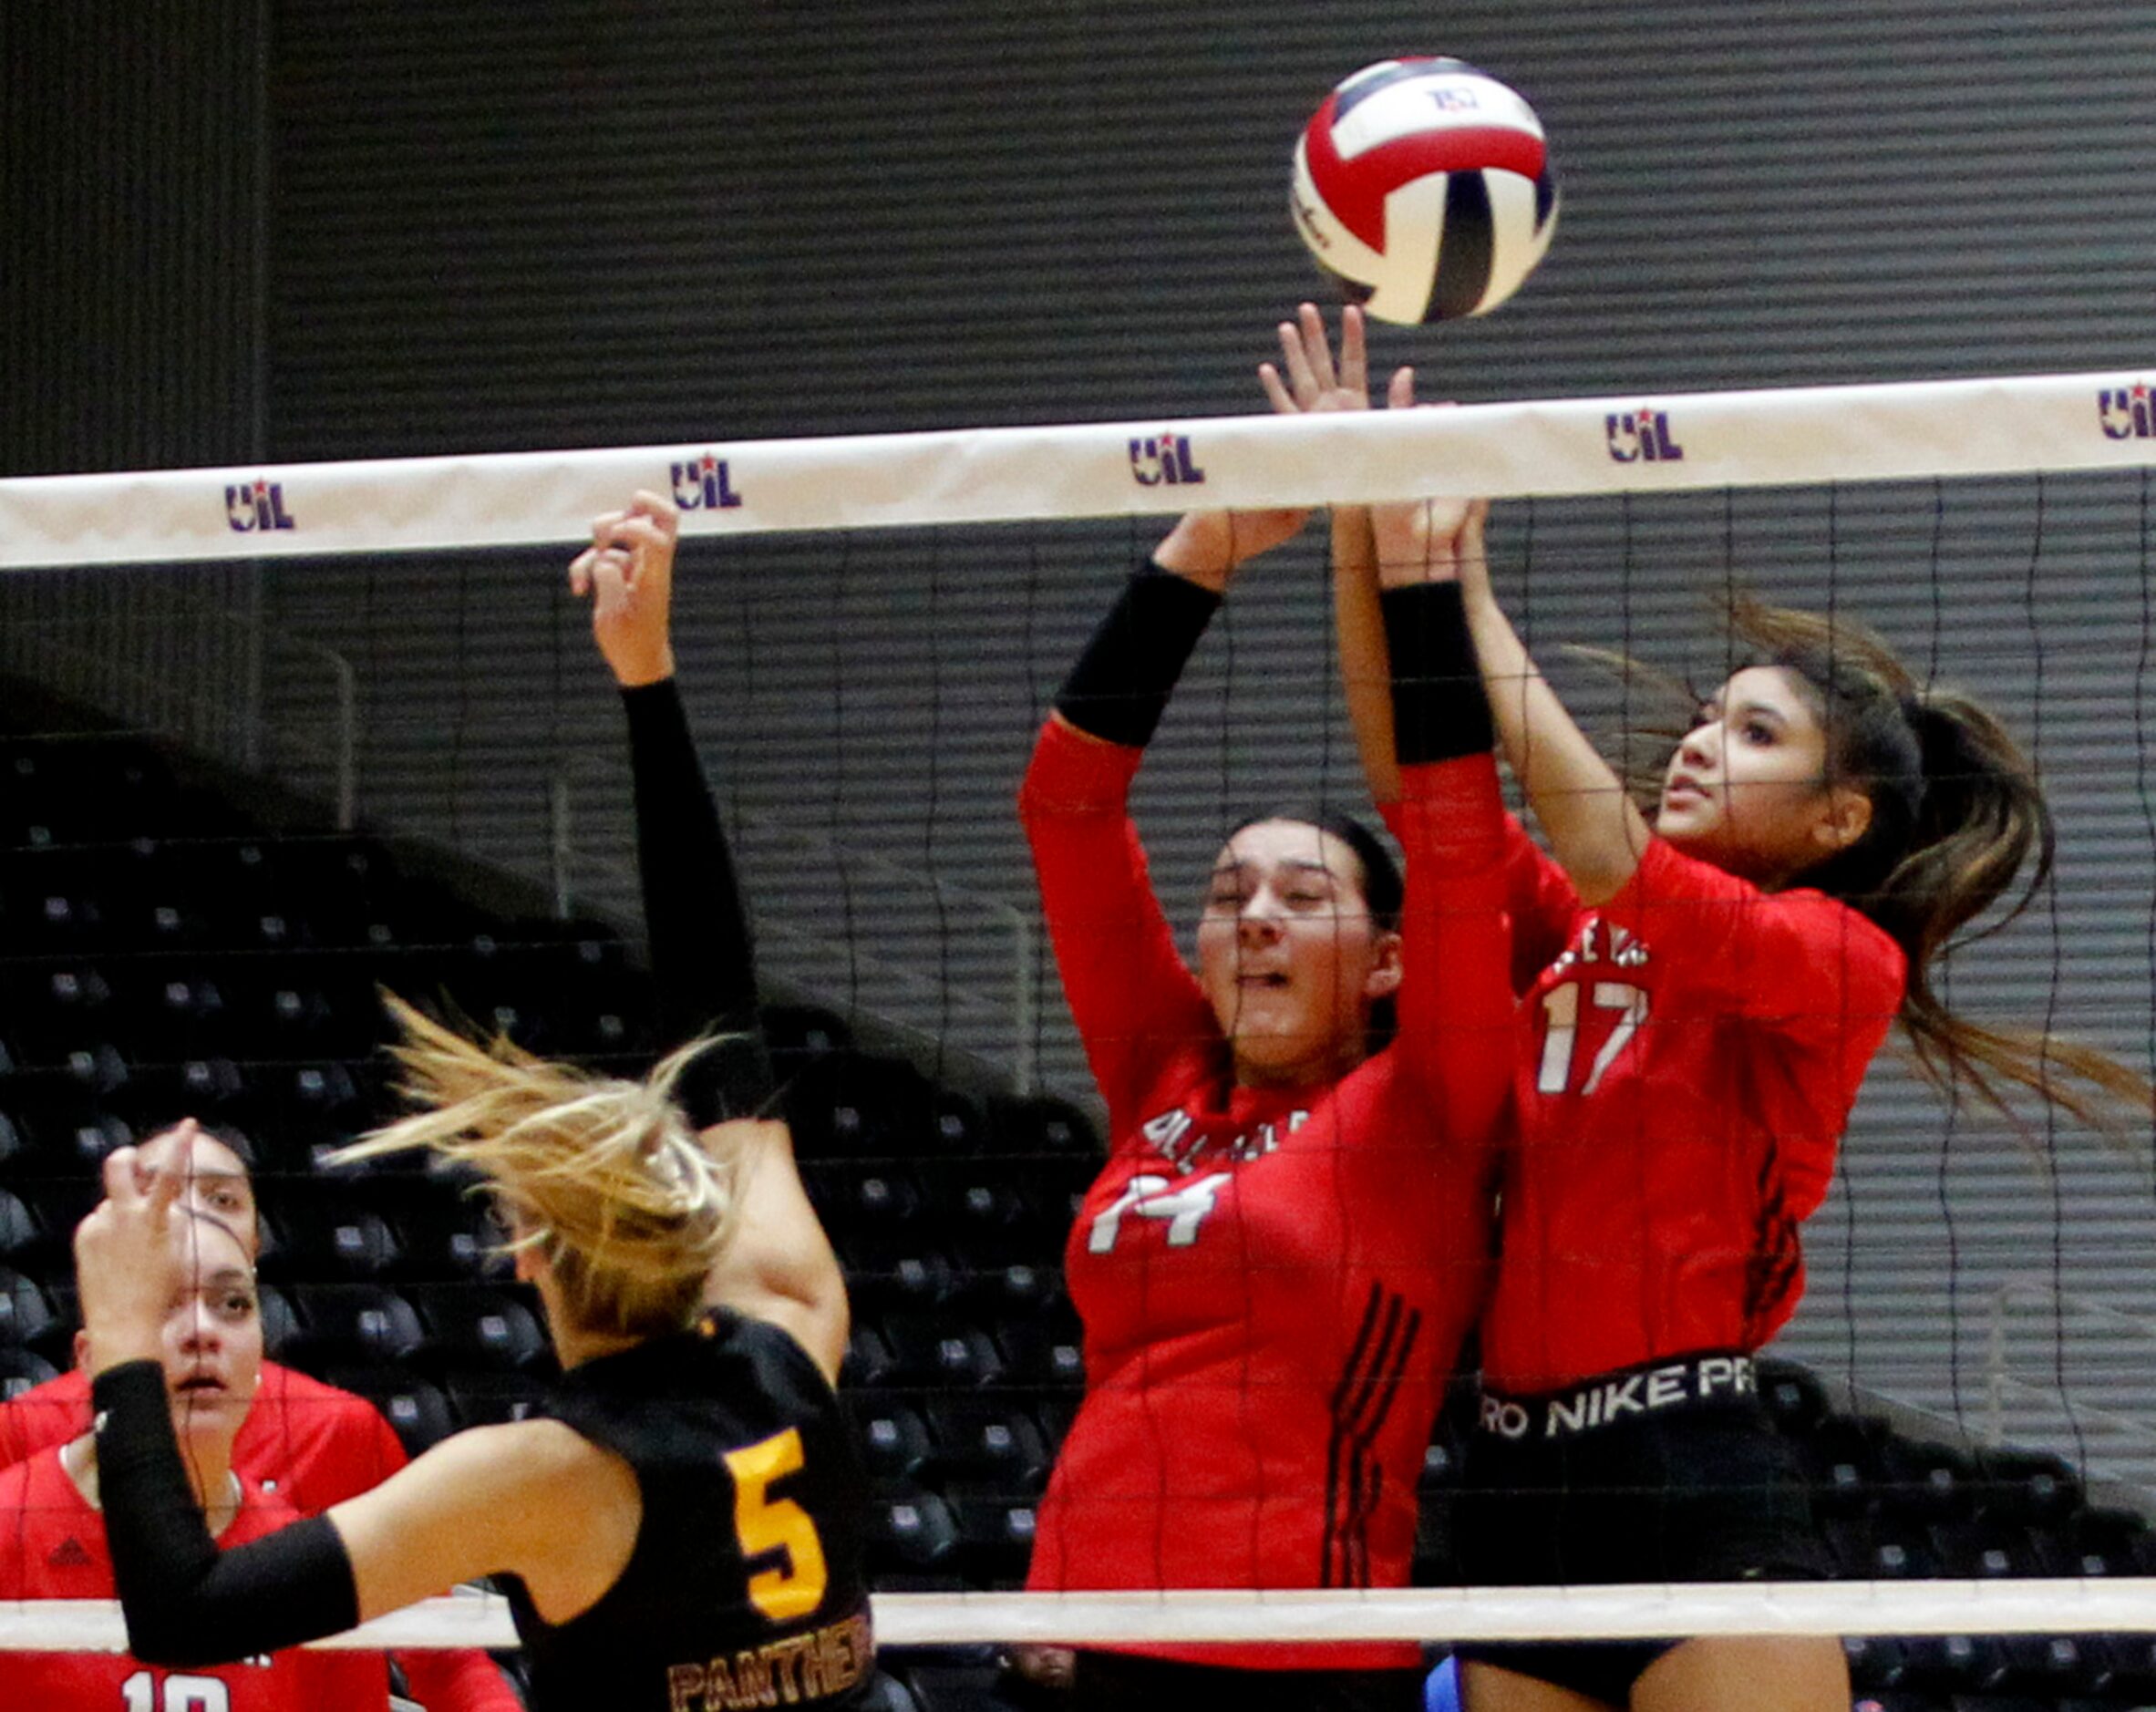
x: 319, y: 1445
x: 1542, y: 901
x: 1820, y: 982
x: 458, y: 1682
x: 1800, y: 962
x: 43, y: 1416
x: 1456, y: 998
x: 1130, y: 991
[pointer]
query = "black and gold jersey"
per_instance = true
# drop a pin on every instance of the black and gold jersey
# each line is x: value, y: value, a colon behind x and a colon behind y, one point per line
x: 747, y: 1586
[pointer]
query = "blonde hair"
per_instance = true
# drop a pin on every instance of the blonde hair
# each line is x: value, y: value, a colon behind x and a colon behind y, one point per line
x: 604, y: 1177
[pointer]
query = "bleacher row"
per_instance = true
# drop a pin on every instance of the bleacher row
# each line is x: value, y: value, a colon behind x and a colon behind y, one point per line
x: 162, y: 955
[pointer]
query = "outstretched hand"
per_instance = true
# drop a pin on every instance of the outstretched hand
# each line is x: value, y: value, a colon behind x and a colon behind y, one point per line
x: 1208, y: 546
x: 127, y: 1262
x: 1429, y: 540
x: 1308, y: 381
x: 628, y: 572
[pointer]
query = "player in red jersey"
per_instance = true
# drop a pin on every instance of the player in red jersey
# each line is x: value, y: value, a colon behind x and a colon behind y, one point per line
x: 1716, y: 982
x: 306, y: 1444
x: 52, y: 1531
x: 1290, y: 1235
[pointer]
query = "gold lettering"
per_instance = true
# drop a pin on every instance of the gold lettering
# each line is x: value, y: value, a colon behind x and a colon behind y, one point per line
x: 813, y: 1665
x: 683, y: 1683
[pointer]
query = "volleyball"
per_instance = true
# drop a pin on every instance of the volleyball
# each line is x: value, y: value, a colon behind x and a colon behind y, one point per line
x: 1424, y: 187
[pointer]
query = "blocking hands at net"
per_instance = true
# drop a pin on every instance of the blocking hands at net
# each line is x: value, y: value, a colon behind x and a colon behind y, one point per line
x: 1288, y: 1241
x: 1704, y: 984
x: 683, y: 1517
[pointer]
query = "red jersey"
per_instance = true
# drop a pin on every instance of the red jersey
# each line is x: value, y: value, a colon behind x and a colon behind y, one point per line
x: 1686, y: 1065
x: 309, y: 1445
x: 1274, y: 1284
x: 52, y: 1546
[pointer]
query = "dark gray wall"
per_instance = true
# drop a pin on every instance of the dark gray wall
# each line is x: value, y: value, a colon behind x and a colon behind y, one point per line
x: 514, y: 226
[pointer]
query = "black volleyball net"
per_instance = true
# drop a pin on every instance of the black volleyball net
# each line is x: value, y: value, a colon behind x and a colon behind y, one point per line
x: 378, y: 666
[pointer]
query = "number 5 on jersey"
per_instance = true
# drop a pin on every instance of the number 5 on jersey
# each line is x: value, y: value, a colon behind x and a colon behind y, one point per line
x: 763, y: 1523
x: 1561, y: 1038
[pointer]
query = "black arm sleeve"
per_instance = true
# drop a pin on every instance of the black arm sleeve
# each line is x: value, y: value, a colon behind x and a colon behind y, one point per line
x: 1440, y: 711
x: 703, y: 960
x: 1120, y: 686
x: 186, y: 1601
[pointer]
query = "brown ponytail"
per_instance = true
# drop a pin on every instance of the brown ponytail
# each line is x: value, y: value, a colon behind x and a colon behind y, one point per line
x: 1957, y: 815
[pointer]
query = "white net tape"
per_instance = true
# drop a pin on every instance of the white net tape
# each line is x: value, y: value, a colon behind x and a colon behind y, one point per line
x: 1664, y: 443
x: 2033, y: 1607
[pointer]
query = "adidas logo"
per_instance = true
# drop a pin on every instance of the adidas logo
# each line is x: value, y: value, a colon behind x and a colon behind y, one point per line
x: 68, y: 1555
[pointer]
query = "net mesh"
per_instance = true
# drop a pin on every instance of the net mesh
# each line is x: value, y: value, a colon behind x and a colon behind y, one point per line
x: 381, y: 752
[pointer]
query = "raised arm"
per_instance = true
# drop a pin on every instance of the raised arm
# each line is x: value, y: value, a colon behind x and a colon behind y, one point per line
x: 1596, y: 830
x: 1128, y: 987
x: 1456, y: 999
x: 1308, y: 381
x: 780, y: 1266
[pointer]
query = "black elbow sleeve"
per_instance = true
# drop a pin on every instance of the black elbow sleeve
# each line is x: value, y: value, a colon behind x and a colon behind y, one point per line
x: 1440, y: 711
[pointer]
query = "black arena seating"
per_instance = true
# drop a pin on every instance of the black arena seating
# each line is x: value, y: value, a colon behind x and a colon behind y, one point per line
x: 163, y: 954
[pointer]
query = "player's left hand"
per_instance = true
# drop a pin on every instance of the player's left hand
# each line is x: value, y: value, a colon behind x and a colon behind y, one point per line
x: 1429, y: 540
x: 1309, y: 382
x: 128, y: 1263
x: 628, y: 572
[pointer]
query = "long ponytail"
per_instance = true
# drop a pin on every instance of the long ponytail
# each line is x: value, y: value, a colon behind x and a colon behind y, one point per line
x: 1958, y: 817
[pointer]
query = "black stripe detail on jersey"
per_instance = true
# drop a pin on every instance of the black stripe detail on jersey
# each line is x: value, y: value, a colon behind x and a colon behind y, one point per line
x: 1466, y: 250
x: 1777, y: 1251
x: 1370, y: 1381
x: 1356, y: 90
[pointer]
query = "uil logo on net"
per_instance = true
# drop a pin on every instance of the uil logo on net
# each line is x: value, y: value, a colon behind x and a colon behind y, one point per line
x: 256, y: 505
x: 2126, y: 413
x: 704, y: 482
x: 1164, y: 458
x: 1642, y: 436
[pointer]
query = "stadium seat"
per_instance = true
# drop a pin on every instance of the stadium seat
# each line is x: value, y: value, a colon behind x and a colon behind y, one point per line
x: 324, y: 1232
x: 22, y: 1368
x: 26, y: 1312
x: 1955, y: 1664
x: 442, y: 1236
x: 796, y: 1035
x: 1876, y: 1662
x: 987, y: 1441
x: 888, y: 1272
x: 940, y: 1351
x: 1042, y: 1126
x: 912, y: 1530
x: 995, y: 1532
x: 895, y: 1440
x: 2028, y: 1486
x: 1042, y: 1350
x: 353, y: 1326
x: 854, y: 1105
x: 419, y: 1410
x: 1927, y: 1480
x: 1984, y: 1550
x: 475, y: 1328
x: 488, y: 1398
